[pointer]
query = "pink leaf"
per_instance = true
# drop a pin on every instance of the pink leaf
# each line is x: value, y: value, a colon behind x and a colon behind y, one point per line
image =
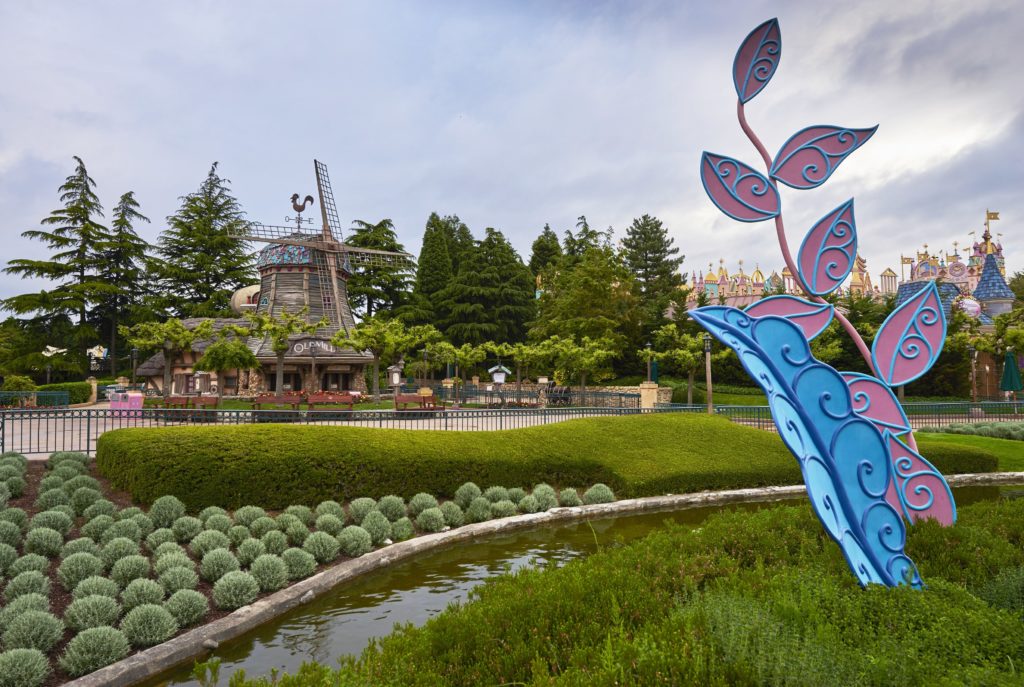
x: 827, y: 252
x: 737, y: 189
x: 910, y: 339
x: 874, y: 401
x: 920, y: 488
x: 810, y: 156
x: 757, y: 59
x: 812, y: 318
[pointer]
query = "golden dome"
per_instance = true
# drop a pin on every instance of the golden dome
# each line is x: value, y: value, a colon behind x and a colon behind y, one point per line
x: 757, y: 277
x: 786, y: 272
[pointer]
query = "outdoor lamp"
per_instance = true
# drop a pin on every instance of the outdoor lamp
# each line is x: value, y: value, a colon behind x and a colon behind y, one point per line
x: 707, y: 342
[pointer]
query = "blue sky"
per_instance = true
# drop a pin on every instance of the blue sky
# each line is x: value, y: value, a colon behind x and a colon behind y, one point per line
x: 514, y: 115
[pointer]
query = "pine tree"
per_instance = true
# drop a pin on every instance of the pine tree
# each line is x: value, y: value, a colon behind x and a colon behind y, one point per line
x: 577, y: 244
x: 202, y: 264
x: 649, y: 253
x: 377, y: 288
x: 546, y: 251
x: 434, y: 267
x: 459, y: 238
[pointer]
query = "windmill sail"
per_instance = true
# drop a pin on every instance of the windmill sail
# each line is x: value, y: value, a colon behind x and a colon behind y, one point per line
x: 328, y: 210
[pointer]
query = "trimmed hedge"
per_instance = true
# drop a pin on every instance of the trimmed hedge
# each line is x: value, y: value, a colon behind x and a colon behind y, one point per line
x: 78, y: 392
x: 278, y: 465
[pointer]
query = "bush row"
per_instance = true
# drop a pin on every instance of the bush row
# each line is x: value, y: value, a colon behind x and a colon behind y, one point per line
x: 997, y: 430
x: 78, y: 392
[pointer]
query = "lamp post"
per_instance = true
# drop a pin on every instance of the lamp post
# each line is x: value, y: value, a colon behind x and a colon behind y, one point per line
x: 315, y: 387
x: 707, y: 370
x: 135, y: 364
x: 648, y: 347
x: 48, y: 368
x: 973, y: 352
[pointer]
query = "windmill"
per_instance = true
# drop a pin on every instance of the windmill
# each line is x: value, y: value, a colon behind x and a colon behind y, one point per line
x: 305, y: 268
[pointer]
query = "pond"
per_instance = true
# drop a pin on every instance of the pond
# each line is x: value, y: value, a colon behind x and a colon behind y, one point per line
x: 343, y: 621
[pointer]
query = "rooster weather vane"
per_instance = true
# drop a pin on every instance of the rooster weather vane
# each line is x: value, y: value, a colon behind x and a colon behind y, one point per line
x: 856, y: 450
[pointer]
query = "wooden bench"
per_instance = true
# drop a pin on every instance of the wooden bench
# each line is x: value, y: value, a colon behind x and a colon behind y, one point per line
x: 176, y: 402
x: 327, y: 398
x: 422, y: 402
x: 292, y: 401
x: 205, y: 402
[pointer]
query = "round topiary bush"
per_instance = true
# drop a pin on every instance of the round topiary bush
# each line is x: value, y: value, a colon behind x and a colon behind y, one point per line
x: 187, y: 606
x: 465, y: 494
x: 44, y: 541
x: 54, y: 497
x: 16, y: 485
x: 95, y: 528
x: 101, y: 507
x: 430, y: 520
x: 92, y: 649
x: 275, y: 542
x: 33, y: 630
x: 331, y: 524
x: 211, y: 510
x: 117, y: 549
x: 50, y: 482
x: 247, y: 515
x: 10, y: 533
x: 599, y: 493
x: 8, y: 554
x: 23, y: 668
x: 169, y: 547
x: 92, y: 611
x: 77, y: 567
x: 186, y: 528
x: 378, y: 526
x: 421, y: 502
x: 402, y: 529
x: 96, y: 586
x: 28, y: 582
x: 25, y: 602
x: 141, y: 591
x: 16, y: 516
x: 270, y: 572
x: 479, y: 510
x: 122, y: 529
x: 80, y: 545
x: 234, y: 590
x: 83, y: 497
x: 393, y: 507
x: 358, y: 508
x: 221, y: 523
x: 546, y: 496
x: 250, y: 550
x: 160, y: 536
x: 145, y: 524
x: 495, y: 494
x: 208, y: 540
x: 355, y: 541
x: 303, y: 513
x: 178, y: 578
x: 300, y: 563
x: 322, y: 546
x: 569, y: 497
x: 296, y: 533
x: 238, y: 534
x: 260, y: 526
x: 528, y: 504
x: 173, y: 559
x: 217, y: 563
x: 148, y: 624
x: 503, y: 509
x: 164, y: 511
x: 129, y: 568
x: 53, y: 519
x: 331, y: 508
x: 66, y: 510
x: 516, y: 494
x: 30, y: 561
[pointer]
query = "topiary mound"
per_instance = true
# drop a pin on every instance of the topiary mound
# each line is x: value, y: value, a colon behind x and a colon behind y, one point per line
x: 148, y: 624
x: 93, y: 649
x: 187, y: 606
x: 234, y: 590
x: 23, y: 668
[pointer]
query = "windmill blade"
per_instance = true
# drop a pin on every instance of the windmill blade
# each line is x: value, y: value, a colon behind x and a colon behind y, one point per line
x: 370, y: 257
x: 328, y: 210
x: 254, y: 231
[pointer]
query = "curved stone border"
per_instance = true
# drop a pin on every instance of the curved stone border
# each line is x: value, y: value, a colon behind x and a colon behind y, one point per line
x: 198, y: 641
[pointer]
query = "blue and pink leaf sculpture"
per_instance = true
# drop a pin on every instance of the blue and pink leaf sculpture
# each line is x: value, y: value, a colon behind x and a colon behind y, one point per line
x: 909, y: 341
x: 827, y: 254
x: 756, y: 60
x: 737, y: 189
x: 810, y: 156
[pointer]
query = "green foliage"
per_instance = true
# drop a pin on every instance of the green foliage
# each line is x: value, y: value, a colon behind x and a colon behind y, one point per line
x: 92, y: 611
x: 234, y: 590
x: 331, y: 524
x: 217, y: 563
x: 528, y: 504
x: 247, y: 515
x: 141, y: 591
x: 221, y: 523
x: 169, y: 547
x: 296, y: 533
x: 8, y: 554
x: 274, y: 542
x: 322, y: 546
x: 210, y: 510
x: 187, y: 606
x: 83, y: 497
x: 160, y: 536
x: 392, y: 507
x: 44, y: 541
x: 433, y: 268
x: 261, y: 526
x: 80, y: 545
x: 178, y: 577
x: 122, y: 529
x: 250, y: 550
x: 599, y: 493
x: 28, y: 582
x: 117, y: 549
x: 649, y: 254
x: 23, y: 668
x: 10, y: 534
x: 303, y: 513
x: 355, y: 541
x: 23, y: 603
x: 377, y: 288
x: 421, y: 502
x: 378, y: 526
x: 495, y: 494
x: 546, y: 497
x: 270, y: 572
x: 402, y: 529
x: 207, y: 541
x: 50, y: 482
x: 516, y: 494
x: 95, y: 528
x: 18, y: 383
x: 238, y: 534
x: 300, y: 563
x: 129, y: 568
x: 33, y: 630
x: 165, y: 510
x: 173, y: 559
x: 92, y: 649
x: 30, y: 561
x: 359, y: 507
x: 1013, y: 431
x: 78, y: 392
x: 77, y: 567
x: 453, y: 516
x: 96, y: 586
x: 331, y: 508
x: 545, y: 251
x: 479, y: 510
x: 54, y: 497
x: 465, y: 494
x: 101, y: 507
x: 430, y: 520
x: 148, y: 625
x: 503, y: 509
x: 569, y: 497
x: 16, y: 485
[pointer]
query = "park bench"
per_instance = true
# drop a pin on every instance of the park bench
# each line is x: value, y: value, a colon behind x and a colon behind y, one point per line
x: 422, y: 402
x: 181, y: 402
x: 276, y: 401
x: 205, y: 402
x: 327, y: 398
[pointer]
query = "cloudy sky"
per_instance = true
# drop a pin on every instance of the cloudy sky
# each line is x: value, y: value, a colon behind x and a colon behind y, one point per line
x: 515, y: 114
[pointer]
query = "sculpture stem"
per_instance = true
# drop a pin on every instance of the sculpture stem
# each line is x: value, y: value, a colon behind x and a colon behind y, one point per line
x: 780, y: 232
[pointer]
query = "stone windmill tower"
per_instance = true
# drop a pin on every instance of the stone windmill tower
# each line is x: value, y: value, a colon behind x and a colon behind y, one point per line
x: 304, y: 268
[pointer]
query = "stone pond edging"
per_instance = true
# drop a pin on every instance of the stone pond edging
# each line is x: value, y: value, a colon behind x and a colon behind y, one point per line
x: 202, y: 639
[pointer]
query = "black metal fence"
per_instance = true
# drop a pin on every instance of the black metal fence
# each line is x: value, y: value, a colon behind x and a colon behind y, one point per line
x: 509, y: 397
x: 39, y: 399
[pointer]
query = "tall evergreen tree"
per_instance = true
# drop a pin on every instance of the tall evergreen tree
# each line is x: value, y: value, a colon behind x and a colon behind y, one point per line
x: 545, y: 251
x: 459, y: 237
x: 201, y: 263
x: 377, y: 288
x: 648, y: 252
x: 575, y: 245
x: 434, y: 267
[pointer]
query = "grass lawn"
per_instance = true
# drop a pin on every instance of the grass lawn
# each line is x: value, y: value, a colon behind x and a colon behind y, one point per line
x: 1010, y: 453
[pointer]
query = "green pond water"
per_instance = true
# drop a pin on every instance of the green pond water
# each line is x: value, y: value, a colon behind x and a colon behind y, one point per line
x: 344, y: 620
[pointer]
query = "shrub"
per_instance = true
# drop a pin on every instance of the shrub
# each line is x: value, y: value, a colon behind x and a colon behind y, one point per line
x: 164, y: 511
x: 331, y: 524
x: 270, y: 572
x: 10, y: 533
x: 73, y: 483
x: 93, y: 649
x: 392, y: 507
x: 358, y: 508
x: 16, y: 485
x: 479, y: 510
x: 25, y: 602
x: 300, y: 563
x: 128, y: 513
x: 355, y: 541
x: 208, y: 540
x: 44, y: 541
x: 117, y: 549
x: 49, y: 499
x: 126, y: 529
x: 296, y: 533
x: 453, y: 515
x: 129, y: 568
x: 260, y: 526
x: 168, y: 547
x: 221, y: 523
x: 465, y: 494
x: 83, y: 497
x: 92, y: 611
x: 599, y: 493
x: 516, y: 494
x: 503, y: 509
x: 96, y: 585
x: 160, y: 536
x: 378, y: 527
x: 421, y: 502
x: 77, y: 567
x: 402, y: 529
x: 274, y: 542
x: 78, y: 392
x: 23, y: 668
x: 569, y: 497
x: 33, y: 630
x: 234, y: 590
x: 16, y: 516
x: 101, y: 507
x: 528, y: 504
x: 247, y: 515
x: 67, y: 473
x: 217, y: 563
x: 8, y: 554
x: 238, y: 534
x: 52, y: 519
x: 303, y: 513
x: 59, y: 457
x: 141, y: 591
x: 1005, y: 590
x: 95, y: 528
x: 177, y: 578
x: 80, y: 545
x: 546, y: 496
x: 29, y: 562
x: 173, y: 559
x: 430, y: 520
x: 322, y: 546
x: 144, y: 522
x: 250, y: 550
x: 186, y: 528
x: 331, y: 508
x: 148, y: 624
x: 211, y: 510
x: 495, y: 494
x: 187, y: 606
x: 18, y: 383
x: 50, y: 482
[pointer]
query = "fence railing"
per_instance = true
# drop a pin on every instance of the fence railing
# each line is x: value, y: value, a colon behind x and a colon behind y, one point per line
x: 508, y: 396
x: 40, y: 399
